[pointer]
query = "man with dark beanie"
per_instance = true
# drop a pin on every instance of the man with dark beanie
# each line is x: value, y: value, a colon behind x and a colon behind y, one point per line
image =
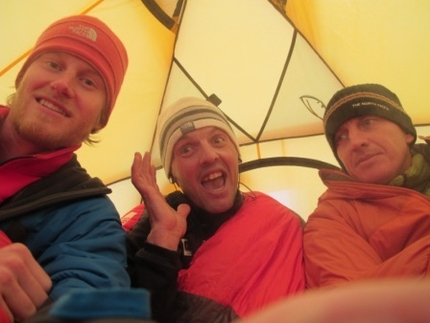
x: 373, y: 221
x: 59, y: 232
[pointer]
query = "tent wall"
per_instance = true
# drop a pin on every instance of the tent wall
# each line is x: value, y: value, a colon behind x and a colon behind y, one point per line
x: 297, y: 187
x: 333, y: 43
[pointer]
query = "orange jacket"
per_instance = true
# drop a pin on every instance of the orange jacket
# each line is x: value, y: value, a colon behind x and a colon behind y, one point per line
x: 365, y: 231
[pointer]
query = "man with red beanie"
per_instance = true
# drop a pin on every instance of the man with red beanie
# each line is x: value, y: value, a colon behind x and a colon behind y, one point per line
x: 373, y: 222
x: 60, y: 232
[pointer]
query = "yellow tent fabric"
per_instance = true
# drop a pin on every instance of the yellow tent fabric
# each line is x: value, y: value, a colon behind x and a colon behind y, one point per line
x: 149, y: 45
x: 373, y: 41
x: 272, y: 64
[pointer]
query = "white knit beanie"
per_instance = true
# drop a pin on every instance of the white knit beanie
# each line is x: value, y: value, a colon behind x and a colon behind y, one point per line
x: 186, y: 115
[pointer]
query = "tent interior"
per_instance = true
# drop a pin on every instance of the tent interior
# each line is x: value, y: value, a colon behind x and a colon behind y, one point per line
x: 270, y: 65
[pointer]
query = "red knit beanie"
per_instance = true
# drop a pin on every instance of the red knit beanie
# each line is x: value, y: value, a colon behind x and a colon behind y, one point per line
x: 91, y: 40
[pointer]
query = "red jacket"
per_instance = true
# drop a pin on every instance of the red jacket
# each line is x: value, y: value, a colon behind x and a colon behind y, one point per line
x: 361, y: 231
x: 254, y: 259
x: 233, y: 264
x: 4, y: 241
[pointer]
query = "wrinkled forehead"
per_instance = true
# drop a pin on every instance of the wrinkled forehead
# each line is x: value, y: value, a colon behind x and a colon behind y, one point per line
x: 191, y: 133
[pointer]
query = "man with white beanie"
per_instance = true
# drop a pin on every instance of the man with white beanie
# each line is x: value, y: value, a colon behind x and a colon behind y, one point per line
x: 209, y: 252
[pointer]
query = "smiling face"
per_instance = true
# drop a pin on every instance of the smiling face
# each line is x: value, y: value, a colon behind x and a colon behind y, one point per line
x: 58, y: 103
x: 373, y: 149
x: 205, y: 165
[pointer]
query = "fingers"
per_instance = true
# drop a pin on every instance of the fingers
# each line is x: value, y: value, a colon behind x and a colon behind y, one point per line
x: 183, y: 210
x: 167, y: 224
x: 149, y: 170
x: 136, y: 167
x: 143, y: 174
x: 24, y: 285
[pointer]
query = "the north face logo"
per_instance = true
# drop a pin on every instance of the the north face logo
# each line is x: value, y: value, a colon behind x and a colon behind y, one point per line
x: 187, y: 127
x: 84, y: 31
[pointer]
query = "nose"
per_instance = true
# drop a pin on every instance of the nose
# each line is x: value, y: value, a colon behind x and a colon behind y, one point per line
x: 63, y: 85
x: 208, y: 153
x: 357, y: 138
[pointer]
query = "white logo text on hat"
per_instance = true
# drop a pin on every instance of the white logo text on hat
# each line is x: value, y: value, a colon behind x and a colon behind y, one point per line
x: 84, y: 31
x: 355, y: 105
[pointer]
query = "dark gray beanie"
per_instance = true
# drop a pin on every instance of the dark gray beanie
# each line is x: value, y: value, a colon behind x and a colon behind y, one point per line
x: 360, y: 100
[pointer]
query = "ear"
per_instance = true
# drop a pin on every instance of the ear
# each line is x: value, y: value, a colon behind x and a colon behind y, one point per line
x: 96, y: 128
x: 173, y: 181
x: 101, y: 122
x: 409, y: 138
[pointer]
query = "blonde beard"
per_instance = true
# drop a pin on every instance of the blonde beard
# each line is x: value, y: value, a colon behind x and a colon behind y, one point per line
x: 39, y: 136
x: 30, y: 132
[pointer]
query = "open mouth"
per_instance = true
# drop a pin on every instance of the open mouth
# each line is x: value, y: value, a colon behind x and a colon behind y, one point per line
x: 214, y: 181
x: 49, y: 105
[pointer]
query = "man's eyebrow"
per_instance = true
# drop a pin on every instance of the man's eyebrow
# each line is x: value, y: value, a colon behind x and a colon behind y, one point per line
x: 183, y: 140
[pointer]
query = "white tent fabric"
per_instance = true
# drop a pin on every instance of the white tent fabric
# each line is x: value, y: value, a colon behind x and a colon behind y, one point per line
x: 272, y: 65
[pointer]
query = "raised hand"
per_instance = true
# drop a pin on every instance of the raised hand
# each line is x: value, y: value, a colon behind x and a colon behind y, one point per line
x: 167, y: 225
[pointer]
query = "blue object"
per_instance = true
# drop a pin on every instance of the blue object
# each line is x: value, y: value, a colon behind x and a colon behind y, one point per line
x: 103, y: 303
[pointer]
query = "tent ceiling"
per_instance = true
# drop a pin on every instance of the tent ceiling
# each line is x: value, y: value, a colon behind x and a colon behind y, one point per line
x: 258, y: 68
x: 257, y: 58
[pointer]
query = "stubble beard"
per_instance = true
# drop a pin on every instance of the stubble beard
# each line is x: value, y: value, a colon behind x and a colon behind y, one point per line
x: 36, y: 134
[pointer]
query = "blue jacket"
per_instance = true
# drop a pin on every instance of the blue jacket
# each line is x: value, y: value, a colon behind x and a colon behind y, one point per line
x: 72, y: 229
